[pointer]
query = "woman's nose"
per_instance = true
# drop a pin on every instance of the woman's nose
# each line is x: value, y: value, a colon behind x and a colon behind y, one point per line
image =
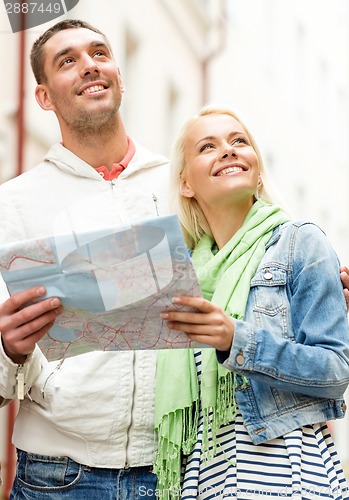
x: 228, y: 150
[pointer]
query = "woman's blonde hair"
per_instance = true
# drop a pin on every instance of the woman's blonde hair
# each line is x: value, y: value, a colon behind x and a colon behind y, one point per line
x: 191, y: 217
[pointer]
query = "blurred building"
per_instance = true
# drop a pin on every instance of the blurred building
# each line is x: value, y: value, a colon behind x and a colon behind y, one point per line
x: 282, y: 65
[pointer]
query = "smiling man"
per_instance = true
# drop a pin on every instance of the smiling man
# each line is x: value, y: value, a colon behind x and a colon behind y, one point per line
x: 78, y: 79
x: 85, y: 425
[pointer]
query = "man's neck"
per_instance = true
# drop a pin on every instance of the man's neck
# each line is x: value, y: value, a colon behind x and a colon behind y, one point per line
x: 101, y: 148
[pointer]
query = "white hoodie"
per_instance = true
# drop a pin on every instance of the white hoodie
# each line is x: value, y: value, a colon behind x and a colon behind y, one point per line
x: 96, y: 408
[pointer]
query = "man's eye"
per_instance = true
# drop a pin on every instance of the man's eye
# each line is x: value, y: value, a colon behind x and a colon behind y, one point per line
x: 67, y: 61
x: 100, y: 53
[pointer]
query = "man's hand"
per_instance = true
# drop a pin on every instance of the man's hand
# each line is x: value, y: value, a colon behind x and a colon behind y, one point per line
x: 23, y: 325
x: 344, y: 274
x: 209, y: 325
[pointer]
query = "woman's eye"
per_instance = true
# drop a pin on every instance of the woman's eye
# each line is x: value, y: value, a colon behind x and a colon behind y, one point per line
x: 205, y: 147
x: 240, y: 140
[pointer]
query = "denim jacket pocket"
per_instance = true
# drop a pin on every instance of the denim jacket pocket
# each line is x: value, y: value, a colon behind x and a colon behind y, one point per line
x: 269, y: 309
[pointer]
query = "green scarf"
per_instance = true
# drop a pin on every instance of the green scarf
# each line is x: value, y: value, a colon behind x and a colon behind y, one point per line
x: 224, y: 277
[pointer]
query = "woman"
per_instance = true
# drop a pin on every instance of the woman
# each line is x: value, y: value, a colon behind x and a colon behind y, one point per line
x: 252, y: 425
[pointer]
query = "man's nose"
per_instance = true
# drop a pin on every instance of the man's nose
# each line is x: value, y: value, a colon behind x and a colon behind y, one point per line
x: 89, y: 66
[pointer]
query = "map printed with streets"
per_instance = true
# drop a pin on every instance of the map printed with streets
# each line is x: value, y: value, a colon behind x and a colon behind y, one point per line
x: 113, y: 285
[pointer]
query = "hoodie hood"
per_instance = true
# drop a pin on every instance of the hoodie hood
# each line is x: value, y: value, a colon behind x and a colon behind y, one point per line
x: 67, y: 161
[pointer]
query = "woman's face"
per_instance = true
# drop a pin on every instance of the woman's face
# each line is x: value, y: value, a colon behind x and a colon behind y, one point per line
x: 221, y: 164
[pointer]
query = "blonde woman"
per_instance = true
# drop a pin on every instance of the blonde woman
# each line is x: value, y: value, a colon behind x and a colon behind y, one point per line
x: 250, y: 415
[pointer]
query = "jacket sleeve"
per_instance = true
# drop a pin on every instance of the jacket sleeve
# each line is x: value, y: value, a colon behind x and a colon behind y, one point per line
x: 316, y: 361
x: 9, y: 372
x: 11, y: 224
x: 11, y: 229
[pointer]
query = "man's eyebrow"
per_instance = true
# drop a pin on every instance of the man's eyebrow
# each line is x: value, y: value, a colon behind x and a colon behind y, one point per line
x: 63, y: 52
x: 100, y: 43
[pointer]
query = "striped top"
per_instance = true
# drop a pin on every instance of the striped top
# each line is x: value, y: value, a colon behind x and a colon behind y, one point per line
x: 301, y: 465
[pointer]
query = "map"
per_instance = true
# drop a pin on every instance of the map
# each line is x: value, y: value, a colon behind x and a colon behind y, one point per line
x: 113, y: 285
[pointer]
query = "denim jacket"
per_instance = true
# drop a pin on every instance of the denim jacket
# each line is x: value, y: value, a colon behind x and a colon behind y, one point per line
x: 293, y: 346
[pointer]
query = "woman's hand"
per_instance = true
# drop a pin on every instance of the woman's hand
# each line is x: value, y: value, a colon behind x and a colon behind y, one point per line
x: 208, y: 325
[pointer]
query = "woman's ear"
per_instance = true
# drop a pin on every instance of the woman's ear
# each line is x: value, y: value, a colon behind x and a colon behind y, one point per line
x: 185, y: 189
x: 260, y: 183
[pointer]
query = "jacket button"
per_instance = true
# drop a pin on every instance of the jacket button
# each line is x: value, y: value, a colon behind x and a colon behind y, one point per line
x: 240, y: 359
x: 268, y: 276
x: 257, y: 431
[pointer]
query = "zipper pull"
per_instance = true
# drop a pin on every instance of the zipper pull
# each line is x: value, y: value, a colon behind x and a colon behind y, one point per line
x: 155, y: 200
x: 20, y: 383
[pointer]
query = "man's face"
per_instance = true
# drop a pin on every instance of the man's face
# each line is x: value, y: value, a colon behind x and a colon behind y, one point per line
x: 83, y: 84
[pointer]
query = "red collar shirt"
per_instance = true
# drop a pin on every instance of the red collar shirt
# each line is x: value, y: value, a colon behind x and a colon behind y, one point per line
x: 117, y: 168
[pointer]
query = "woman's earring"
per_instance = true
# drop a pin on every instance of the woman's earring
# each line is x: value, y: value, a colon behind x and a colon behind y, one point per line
x: 259, y: 187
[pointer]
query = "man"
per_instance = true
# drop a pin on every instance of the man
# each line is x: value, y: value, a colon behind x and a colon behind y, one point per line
x: 85, y: 426
x: 344, y: 274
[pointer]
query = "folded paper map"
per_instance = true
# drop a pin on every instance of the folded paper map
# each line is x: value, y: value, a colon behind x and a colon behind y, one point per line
x: 113, y: 285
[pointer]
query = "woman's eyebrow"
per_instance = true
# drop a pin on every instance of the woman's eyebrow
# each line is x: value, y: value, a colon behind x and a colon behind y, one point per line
x: 212, y: 137
x: 207, y: 138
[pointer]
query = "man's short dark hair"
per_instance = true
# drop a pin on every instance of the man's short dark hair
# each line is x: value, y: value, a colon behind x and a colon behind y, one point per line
x: 37, y: 56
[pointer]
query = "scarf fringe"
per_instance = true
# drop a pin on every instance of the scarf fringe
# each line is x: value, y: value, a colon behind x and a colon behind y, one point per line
x: 222, y: 414
x: 167, y: 466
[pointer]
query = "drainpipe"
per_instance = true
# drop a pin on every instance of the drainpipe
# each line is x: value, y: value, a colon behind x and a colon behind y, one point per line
x: 21, y: 104
x: 10, y: 464
x: 11, y: 407
x: 221, y: 27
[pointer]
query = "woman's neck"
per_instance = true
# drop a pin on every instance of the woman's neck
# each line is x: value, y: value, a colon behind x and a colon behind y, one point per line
x: 226, y: 222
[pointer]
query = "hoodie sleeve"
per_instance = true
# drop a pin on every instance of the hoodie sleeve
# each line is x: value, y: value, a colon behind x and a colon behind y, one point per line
x: 9, y: 372
x: 11, y: 224
x: 11, y: 229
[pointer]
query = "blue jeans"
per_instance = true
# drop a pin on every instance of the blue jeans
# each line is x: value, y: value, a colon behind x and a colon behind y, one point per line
x: 41, y: 477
